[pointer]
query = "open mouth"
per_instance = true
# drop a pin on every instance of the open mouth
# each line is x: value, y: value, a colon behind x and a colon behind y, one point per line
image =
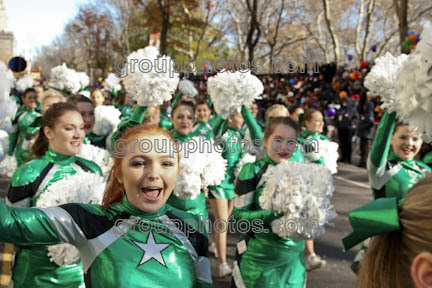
x: 76, y: 144
x: 152, y: 193
x: 407, y: 151
x: 87, y: 126
x: 283, y: 155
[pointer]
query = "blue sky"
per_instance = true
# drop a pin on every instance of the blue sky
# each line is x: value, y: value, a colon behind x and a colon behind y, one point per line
x: 37, y: 22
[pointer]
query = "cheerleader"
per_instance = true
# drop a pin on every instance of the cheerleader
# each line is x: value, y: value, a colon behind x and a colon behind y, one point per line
x: 134, y: 233
x: 165, y: 120
x: 391, y: 166
x: 20, y: 139
x: 87, y: 110
x: 314, y: 123
x: 182, y: 118
x: 152, y: 115
x: 123, y: 103
x: 97, y: 97
x: 221, y: 196
x: 202, y: 127
x: 54, y: 153
x: 264, y: 259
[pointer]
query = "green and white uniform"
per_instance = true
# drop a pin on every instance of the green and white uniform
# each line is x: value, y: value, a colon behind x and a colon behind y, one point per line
x: 231, y: 151
x: 203, y: 129
x: 428, y: 159
x: 18, y: 137
x: 33, y: 267
x: 310, y: 136
x: 269, y: 260
x: 165, y: 121
x: 120, y: 247
x: 389, y: 175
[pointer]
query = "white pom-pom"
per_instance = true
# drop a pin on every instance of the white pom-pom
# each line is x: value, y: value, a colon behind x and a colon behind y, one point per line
x: 98, y: 155
x: 106, y: 119
x: 23, y: 83
x: 64, y: 78
x: 229, y: 91
x: 152, y: 83
x: 198, y: 170
x: 82, y: 187
x: 8, y: 166
x: 301, y: 192
x: 247, y: 158
x: 328, y: 151
x: 188, y: 88
x: 214, y: 171
x: 4, y: 144
x: 112, y: 82
x: 8, y: 107
x: 381, y: 79
x: 414, y: 85
x: 84, y: 80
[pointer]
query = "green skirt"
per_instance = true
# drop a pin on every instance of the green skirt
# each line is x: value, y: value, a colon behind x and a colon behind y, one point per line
x: 33, y: 268
x: 271, y: 262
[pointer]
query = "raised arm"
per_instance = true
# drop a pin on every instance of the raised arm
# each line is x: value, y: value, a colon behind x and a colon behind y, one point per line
x: 252, y: 124
x: 381, y: 143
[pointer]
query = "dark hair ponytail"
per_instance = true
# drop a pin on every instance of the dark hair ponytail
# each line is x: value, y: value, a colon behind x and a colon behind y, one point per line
x: 51, y: 116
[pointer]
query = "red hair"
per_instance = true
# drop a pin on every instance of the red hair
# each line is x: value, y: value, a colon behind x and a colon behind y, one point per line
x: 115, y: 191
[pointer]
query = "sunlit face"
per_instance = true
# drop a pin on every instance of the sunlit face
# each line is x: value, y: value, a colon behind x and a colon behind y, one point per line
x: 67, y: 135
x: 316, y: 123
x: 88, y: 116
x: 296, y: 113
x: 277, y: 112
x: 235, y: 121
x: 254, y: 109
x: 282, y: 143
x: 148, y: 177
x: 406, y: 144
x: 202, y: 112
x: 183, y: 119
x: 48, y: 102
x: 98, y: 98
x: 30, y: 100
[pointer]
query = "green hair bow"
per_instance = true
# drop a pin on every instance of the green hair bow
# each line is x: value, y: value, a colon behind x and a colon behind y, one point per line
x: 375, y: 218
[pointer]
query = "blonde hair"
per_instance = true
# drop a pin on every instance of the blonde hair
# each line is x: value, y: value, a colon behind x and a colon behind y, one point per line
x: 150, y: 114
x: 275, y: 107
x: 387, y: 263
x: 52, y: 94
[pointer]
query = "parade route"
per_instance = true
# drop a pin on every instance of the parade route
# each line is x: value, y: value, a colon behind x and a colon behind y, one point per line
x: 350, y: 192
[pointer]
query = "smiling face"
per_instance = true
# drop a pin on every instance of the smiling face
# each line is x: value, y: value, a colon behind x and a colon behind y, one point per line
x: 67, y: 134
x: 202, y: 112
x: 30, y: 100
x: 148, y: 178
x: 281, y: 144
x: 406, y: 143
x: 316, y: 123
x: 183, y: 119
x: 87, y: 112
x: 98, y: 98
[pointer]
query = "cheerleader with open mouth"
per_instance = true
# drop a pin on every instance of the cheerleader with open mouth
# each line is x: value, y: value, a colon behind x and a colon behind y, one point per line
x: 54, y: 157
x: 134, y: 238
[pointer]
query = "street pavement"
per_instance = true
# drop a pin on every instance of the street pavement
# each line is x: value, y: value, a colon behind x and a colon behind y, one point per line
x: 351, y: 191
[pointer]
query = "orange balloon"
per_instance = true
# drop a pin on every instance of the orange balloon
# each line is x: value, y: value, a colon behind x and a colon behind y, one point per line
x: 413, y: 46
x: 343, y: 94
x: 412, y: 38
x: 353, y: 76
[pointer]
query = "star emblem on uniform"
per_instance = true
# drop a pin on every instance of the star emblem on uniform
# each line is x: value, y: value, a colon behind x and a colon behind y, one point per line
x: 152, y: 250
x: 203, y: 131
